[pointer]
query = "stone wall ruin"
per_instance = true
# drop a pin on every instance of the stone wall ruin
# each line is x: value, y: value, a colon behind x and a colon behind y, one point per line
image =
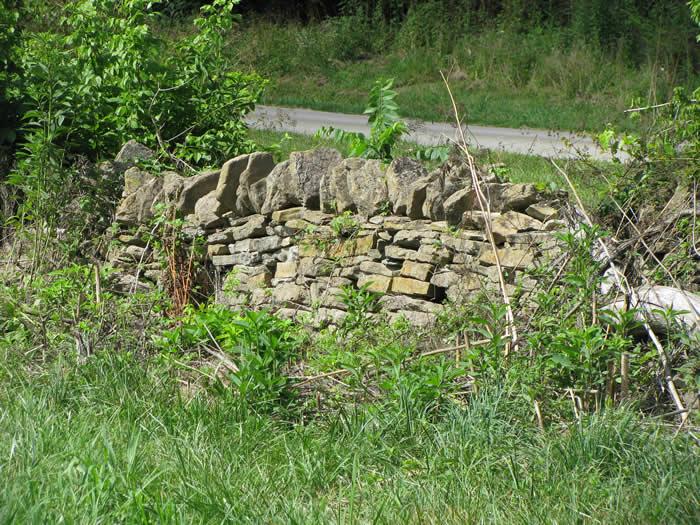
x: 289, y: 236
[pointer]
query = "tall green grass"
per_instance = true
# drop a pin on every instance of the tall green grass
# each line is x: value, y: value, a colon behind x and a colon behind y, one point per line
x: 534, y: 77
x: 118, y: 440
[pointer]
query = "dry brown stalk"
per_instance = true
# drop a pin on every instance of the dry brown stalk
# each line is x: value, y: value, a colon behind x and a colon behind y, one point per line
x: 485, y: 207
x: 629, y: 291
x: 624, y: 375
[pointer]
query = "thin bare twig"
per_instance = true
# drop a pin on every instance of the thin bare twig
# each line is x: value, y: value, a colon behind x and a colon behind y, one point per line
x: 485, y: 207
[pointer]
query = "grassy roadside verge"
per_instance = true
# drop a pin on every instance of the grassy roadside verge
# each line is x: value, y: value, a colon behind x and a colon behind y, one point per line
x: 540, y: 79
x: 119, y: 440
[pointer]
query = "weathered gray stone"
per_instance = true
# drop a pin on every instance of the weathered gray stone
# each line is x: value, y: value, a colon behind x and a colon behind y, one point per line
x: 376, y: 268
x: 508, y: 196
x: 254, y: 227
x: 476, y: 220
x: 457, y: 204
x: 128, y: 283
x: 194, y: 188
x: 136, y: 207
x: 327, y: 296
x: 297, y: 182
x: 316, y: 217
x: 256, y: 195
x: 208, y: 211
x: 133, y: 151
x: 326, y: 316
x: 170, y: 193
x: 461, y: 243
x: 554, y: 225
x: 433, y: 206
x: 542, y: 212
x: 137, y: 254
x: 414, y: 238
x: 434, y: 254
x: 375, y: 283
x: 400, y: 175
x: 246, y: 259
x: 289, y: 293
x: 261, y: 244
x: 286, y: 270
x: 464, y: 287
x: 512, y: 222
x: 402, y: 302
x: 217, y: 249
x: 260, y: 165
x: 396, y: 252
x: 445, y: 279
x: 229, y: 180
x: 134, y: 179
x: 416, y: 319
x: 315, y: 266
x: 283, y: 215
x: 354, y: 185
x: 416, y: 270
x: 508, y: 257
x: 411, y: 201
x: 334, y: 191
x: 407, y: 286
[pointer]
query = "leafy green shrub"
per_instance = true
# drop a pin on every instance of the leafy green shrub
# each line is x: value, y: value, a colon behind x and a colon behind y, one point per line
x: 385, y: 127
x: 72, y: 313
x: 259, y: 345
x: 103, y: 77
x: 360, y: 303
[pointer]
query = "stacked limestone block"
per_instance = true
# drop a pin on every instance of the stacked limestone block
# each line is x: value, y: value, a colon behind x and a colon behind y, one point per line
x: 417, y: 238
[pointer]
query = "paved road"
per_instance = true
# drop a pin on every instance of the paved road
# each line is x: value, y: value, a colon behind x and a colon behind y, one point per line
x: 544, y: 143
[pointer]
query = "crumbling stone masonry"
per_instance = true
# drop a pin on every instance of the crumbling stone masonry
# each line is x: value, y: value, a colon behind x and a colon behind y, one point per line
x: 290, y: 236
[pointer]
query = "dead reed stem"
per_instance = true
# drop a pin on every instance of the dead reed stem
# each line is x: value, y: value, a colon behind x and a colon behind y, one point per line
x: 485, y: 207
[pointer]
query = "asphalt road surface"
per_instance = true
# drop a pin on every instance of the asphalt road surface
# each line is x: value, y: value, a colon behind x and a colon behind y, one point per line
x: 554, y: 144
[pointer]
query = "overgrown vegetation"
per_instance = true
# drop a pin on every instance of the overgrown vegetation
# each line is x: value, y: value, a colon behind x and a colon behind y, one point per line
x: 554, y: 65
x: 139, y: 405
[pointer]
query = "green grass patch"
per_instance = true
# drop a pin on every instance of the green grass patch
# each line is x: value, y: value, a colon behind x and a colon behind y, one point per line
x: 539, y: 78
x: 118, y: 440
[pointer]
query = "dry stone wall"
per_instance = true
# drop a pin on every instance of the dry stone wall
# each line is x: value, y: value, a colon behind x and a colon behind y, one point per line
x: 290, y: 236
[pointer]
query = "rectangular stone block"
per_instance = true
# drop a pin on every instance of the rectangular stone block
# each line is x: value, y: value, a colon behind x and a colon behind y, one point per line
x: 255, y: 227
x: 459, y: 244
x: 375, y: 283
x: 246, y: 259
x: 417, y: 270
x: 445, y: 279
x: 414, y: 238
x: 286, y: 270
x: 289, y: 293
x: 217, y: 249
x: 298, y: 225
x: 404, y: 285
x: 508, y: 257
x: 434, y: 254
x: 377, y: 268
x: 315, y: 216
x: 260, y: 280
x: 261, y: 244
x: 351, y: 247
x: 281, y: 216
x: 396, y: 252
